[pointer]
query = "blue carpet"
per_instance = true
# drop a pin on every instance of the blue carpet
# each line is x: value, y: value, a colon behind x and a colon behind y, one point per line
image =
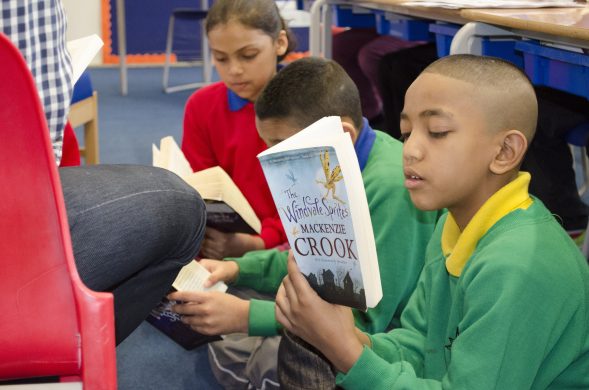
x: 128, y: 125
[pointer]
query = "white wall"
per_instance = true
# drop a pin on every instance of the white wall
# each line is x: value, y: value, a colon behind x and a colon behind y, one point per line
x: 83, y: 18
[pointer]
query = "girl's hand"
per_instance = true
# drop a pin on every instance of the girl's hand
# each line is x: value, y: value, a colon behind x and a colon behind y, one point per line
x: 300, y: 310
x: 218, y: 245
x: 225, y: 271
x: 212, y: 312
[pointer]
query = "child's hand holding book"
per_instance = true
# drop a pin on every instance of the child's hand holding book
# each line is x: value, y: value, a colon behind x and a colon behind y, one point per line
x: 221, y: 271
x: 212, y: 312
x: 209, y: 310
x: 328, y: 327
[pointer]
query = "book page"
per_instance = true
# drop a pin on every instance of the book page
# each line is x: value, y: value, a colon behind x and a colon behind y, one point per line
x: 215, y: 184
x: 82, y: 52
x: 170, y: 157
x: 192, y: 277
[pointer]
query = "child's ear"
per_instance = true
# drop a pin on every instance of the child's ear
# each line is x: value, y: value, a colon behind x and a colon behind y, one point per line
x: 511, y: 153
x: 281, y: 43
x: 349, y: 128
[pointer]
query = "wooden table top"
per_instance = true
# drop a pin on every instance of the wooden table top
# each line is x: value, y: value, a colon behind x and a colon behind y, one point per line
x: 395, y: 6
x: 563, y: 22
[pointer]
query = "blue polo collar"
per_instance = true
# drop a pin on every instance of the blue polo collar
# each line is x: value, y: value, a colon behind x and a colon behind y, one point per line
x: 364, y: 143
x: 235, y: 102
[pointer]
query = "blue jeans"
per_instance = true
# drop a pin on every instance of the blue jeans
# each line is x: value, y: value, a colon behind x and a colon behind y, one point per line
x: 302, y: 366
x: 132, y: 229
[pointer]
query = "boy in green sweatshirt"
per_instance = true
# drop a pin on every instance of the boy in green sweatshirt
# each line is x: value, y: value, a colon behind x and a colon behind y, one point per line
x: 300, y: 94
x: 503, y: 299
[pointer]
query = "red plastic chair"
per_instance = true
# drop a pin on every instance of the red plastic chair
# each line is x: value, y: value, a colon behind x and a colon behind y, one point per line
x: 51, y: 325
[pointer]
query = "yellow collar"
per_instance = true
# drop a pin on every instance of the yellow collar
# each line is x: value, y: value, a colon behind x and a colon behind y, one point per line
x: 458, y: 246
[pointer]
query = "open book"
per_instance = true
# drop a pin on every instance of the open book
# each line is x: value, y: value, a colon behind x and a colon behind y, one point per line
x: 317, y: 186
x: 82, y: 51
x: 227, y: 209
x: 191, y: 278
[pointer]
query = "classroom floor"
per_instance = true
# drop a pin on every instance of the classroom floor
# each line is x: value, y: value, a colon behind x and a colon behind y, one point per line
x: 128, y: 125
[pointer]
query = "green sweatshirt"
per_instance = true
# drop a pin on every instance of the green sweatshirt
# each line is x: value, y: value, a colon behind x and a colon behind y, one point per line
x: 401, y: 235
x: 502, y: 305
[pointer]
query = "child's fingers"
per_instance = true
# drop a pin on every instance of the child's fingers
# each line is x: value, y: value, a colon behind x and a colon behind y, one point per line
x: 213, y: 278
x: 297, y: 280
x: 187, y: 296
x: 282, y: 308
x: 209, y: 249
x: 212, y: 233
x: 282, y: 319
x: 290, y: 293
x: 208, y: 264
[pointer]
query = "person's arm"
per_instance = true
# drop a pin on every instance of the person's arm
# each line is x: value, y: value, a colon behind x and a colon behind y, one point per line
x: 330, y: 328
x: 47, y: 57
x: 212, y: 312
x: 262, y: 320
x: 219, y: 245
x: 216, y: 313
x: 401, y: 234
x: 262, y: 270
x: 272, y: 233
x: 504, y: 334
x: 196, y: 141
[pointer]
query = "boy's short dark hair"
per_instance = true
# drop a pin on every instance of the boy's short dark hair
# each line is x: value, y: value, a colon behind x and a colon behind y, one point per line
x: 308, y: 90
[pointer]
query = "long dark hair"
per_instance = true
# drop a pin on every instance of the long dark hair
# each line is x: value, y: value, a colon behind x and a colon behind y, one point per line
x: 257, y: 14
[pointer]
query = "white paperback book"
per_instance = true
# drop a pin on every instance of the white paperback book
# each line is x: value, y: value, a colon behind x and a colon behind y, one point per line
x: 82, y: 52
x: 317, y: 186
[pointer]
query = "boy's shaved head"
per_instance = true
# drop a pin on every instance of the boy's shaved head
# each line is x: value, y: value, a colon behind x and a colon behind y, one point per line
x: 504, y: 91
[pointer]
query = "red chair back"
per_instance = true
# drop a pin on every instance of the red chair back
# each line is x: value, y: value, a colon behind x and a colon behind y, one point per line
x: 51, y: 324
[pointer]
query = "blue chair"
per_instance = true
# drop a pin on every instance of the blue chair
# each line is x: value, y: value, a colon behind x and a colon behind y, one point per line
x: 187, y: 15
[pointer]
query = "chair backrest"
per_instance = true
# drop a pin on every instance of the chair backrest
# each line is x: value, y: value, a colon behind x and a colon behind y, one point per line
x: 52, y: 325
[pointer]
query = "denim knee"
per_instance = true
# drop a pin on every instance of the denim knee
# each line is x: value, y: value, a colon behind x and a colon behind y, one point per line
x: 186, y: 213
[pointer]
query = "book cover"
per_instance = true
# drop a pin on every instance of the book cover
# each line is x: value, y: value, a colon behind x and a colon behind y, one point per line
x: 322, y: 205
x: 227, y: 208
x: 190, y: 278
x: 222, y: 217
x: 165, y: 320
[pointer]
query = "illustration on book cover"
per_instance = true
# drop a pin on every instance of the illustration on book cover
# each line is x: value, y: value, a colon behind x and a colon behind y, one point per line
x: 311, y: 197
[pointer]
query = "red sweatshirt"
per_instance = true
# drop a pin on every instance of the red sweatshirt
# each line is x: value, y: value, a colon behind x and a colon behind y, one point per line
x: 220, y: 129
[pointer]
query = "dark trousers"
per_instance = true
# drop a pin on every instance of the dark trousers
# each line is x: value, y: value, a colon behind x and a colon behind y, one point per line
x: 397, y: 72
x: 132, y: 229
x: 548, y: 159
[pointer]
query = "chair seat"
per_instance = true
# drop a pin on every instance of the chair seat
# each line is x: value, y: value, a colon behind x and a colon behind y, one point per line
x: 578, y: 136
x: 83, y: 88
